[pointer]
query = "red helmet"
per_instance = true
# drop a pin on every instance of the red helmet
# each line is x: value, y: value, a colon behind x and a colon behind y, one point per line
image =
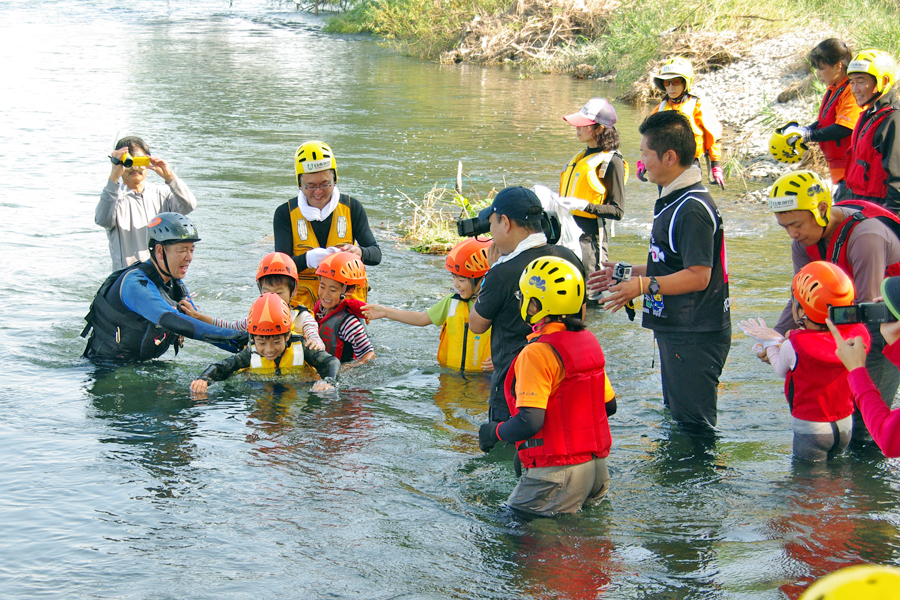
x: 343, y: 267
x: 821, y: 284
x: 276, y: 263
x: 269, y: 315
x: 469, y: 258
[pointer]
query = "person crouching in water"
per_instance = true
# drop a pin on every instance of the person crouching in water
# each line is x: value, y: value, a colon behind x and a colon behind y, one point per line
x: 459, y: 348
x: 559, y: 398
x: 340, y: 317
x: 816, y: 384
x: 273, y: 350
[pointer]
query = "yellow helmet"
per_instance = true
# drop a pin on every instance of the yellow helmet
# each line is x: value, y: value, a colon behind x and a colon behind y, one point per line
x: 876, y: 63
x: 558, y: 285
x: 675, y: 67
x: 801, y: 190
x: 787, y: 148
x: 861, y: 582
x: 313, y: 157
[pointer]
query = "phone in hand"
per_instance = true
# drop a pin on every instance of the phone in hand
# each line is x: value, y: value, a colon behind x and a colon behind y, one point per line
x: 864, y: 312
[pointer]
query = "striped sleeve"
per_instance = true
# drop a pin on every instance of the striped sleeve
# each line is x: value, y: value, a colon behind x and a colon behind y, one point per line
x: 353, y: 332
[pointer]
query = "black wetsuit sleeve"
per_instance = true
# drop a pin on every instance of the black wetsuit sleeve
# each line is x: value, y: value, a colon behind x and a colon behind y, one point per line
x: 611, y: 408
x: 614, y: 182
x: 889, y: 146
x: 527, y: 422
x: 832, y: 133
x: 365, y: 239
x: 325, y: 364
x: 222, y: 370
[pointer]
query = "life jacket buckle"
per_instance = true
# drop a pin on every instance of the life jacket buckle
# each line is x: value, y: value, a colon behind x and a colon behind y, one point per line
x: 118, y: 335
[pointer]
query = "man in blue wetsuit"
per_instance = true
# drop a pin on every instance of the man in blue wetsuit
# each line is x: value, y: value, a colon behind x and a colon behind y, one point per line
x: 134, y: 315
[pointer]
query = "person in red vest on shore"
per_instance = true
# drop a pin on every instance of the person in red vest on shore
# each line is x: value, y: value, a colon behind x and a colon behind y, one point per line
x: 873, y: 172
x: 559, y: 398
x: 815, y: 381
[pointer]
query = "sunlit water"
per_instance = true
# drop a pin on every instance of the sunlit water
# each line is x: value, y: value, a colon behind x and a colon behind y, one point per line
x: 118, y: 485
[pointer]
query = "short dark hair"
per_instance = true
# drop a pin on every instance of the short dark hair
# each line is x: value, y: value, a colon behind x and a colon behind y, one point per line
x: 290, y: 282
x: 134, y: 143
x: 607, y: 137
x: 670, y: 130
x: 830, y: 52
x: 572, y: 322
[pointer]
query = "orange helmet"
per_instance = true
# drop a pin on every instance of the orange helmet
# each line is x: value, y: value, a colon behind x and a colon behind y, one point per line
x: 343, y: 267
x: 821, y: 284
x: 276, y: 263
x: 469, y: 258
x: 269, y: 315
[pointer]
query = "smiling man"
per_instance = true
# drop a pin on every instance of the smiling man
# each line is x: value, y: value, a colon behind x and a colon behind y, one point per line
x: 134, y: 315
x: 321, y: 221
x: 125, y: 208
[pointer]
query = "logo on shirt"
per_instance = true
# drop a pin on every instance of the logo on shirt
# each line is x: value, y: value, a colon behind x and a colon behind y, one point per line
x: 302, y: 231
x: 538, y: 283
x: 342, y: 226
x: 656, y: 254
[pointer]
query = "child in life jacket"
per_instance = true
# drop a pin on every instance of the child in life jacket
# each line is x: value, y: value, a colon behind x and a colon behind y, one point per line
x: 340, y: 317
x: 816, y: 385
x: 559, y: 397
x: 592, y: 185
x: 273, y: 349
x: 276, y: 274
x: 675, y: 79
x: 459, y: 348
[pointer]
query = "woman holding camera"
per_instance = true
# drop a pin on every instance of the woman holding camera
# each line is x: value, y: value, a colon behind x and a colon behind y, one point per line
x: 125, y: 208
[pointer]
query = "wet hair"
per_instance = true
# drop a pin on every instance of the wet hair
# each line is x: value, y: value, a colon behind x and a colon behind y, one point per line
x: 670, y: 130
x: 830, y: 52
x: 607, y: 137
x: 286, y: 336
x: 277, y: 280
x: 134, y: 143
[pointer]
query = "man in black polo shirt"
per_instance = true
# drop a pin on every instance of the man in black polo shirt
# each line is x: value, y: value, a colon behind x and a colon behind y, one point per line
x: 684, y: 283
x: 515, y: 217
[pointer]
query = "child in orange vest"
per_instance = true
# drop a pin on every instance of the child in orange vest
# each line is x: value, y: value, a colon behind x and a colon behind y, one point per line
x: 816, y: 385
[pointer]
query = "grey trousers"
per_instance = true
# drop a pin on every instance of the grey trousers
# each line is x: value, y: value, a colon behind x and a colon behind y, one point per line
x: 549, y: 491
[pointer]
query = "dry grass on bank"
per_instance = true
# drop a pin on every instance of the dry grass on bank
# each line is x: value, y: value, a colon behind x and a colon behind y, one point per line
x: 432, y: 226
x: 531, y: 30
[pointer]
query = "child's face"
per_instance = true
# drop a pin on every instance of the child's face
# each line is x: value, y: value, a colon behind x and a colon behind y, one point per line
x: 798, y: 314
x: 283, y: 291
x: 330, y: 292
x: 830, y: 74
x: 463, y: 286
x: 674, y: 87
x: 270, y: 347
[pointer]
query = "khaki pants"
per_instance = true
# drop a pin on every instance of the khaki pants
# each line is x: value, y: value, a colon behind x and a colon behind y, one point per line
x: 548, y: 491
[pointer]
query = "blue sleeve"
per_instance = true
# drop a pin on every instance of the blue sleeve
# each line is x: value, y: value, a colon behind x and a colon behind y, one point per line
x: 140, y: 295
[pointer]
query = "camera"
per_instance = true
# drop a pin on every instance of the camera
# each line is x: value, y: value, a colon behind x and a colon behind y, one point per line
x: 129, y: 161
x: 472, y: 227
x: 864, y: 312
x: 621, y: 272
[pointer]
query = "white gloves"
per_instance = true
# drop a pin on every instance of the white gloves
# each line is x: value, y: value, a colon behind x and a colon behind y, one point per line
x: 803, y: 132
x: 570, y: 203
x: 315, y: 256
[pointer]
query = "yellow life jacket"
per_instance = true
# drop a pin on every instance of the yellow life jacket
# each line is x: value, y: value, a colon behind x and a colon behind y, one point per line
x: 687, y: 107
x: 290, y: 362
x: 459, y: 348
x: 583, y: 178
x: 341, y: 233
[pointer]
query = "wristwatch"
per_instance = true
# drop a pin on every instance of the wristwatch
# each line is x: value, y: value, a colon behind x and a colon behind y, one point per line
x: 654, y: 286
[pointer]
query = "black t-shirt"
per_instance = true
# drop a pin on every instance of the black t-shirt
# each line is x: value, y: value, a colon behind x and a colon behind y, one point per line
x: 497, y: 303
x: 687, y: 232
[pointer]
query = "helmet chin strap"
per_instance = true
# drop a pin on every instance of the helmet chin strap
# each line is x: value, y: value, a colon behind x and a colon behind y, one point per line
x: 167, y: 272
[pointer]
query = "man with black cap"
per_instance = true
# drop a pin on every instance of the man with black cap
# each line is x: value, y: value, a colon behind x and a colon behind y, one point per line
x: 134, y: 315
x: 515, y: 217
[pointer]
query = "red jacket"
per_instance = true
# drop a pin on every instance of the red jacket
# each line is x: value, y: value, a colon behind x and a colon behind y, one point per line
x: 817, y: 388
x: 837, y: 152
x: 866, y: 175
x: 330, y: 324
x: 575, y: 426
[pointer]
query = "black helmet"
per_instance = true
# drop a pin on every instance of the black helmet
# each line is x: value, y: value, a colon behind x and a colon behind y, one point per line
x: 170, y: 228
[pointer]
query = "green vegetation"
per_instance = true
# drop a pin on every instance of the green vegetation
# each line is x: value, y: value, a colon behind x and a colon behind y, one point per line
x: 633, y: 33
x: 432, y: 225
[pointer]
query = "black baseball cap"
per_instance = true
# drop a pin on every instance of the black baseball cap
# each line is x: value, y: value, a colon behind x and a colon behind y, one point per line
x: 516, y: 203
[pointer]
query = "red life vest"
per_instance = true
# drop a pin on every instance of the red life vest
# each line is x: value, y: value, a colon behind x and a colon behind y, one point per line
x: 866, y: 175
x: 836, y: 251
x: 575, y: 426
x: 330, y: 325
x: 837, y: 152
x: 817, y: 388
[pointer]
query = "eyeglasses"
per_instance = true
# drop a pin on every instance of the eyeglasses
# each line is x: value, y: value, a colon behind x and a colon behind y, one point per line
x: 311, y: 187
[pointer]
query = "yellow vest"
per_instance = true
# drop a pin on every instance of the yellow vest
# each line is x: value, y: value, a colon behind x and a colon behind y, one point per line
x: 582, y: 178
x: 687, y: 108
x: 290, y: 362
x: 459, y: 348
x: 341, y: 233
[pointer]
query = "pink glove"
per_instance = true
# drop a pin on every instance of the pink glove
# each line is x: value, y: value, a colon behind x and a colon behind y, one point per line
x: 718, y: 175
x: 641, y: 170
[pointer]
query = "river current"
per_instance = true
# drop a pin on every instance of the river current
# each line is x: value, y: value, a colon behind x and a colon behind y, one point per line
x: 116, y: 484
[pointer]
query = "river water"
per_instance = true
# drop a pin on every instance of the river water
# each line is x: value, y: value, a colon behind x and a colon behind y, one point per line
x: 119, y: 485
